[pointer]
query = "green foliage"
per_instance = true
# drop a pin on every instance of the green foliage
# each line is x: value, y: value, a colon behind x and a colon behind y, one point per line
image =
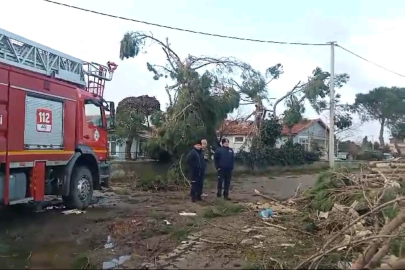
x: 132, y: 114
x: 144, y: 104
x: 322, y: 194
x: 380, y: 104
x: 370, y: 155
x: 383, y: 104
x: 263, y: 151
x: 222, y: 209
x: 316, y: 91
x: 172, y: 180
x: 128, y: 124
x: 398, y: 130
x: 198, y: 102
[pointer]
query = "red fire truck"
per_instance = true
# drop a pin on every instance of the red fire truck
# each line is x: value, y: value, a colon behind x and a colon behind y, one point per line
x: 53, y: 124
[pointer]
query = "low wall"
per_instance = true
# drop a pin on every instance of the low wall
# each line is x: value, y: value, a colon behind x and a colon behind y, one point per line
x: 149, y: 168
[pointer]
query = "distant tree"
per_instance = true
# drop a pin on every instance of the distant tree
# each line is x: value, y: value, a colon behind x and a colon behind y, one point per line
x: 382, y: 104
x: 398, y: 134
x: 366, y: 144
x: 133, y: 118
x: 376, y: 146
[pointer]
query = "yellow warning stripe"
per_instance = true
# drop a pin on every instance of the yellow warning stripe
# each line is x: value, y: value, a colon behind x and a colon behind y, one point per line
x: 49, y: 152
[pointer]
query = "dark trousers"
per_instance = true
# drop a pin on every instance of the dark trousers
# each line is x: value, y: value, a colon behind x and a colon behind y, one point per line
x: 197, y: 184
x: 224, y: 181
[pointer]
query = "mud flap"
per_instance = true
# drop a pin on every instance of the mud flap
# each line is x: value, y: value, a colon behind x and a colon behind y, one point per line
x: 37, y: 185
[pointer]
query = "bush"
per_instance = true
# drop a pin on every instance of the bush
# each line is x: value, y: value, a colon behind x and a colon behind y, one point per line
x: 289, y: 154
x: 370, y: 155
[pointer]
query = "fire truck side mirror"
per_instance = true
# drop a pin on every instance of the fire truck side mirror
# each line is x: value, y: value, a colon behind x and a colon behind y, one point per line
x: 112, y: 114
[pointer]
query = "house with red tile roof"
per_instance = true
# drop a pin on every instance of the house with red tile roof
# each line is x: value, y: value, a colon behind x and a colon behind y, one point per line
x: 308, y: 132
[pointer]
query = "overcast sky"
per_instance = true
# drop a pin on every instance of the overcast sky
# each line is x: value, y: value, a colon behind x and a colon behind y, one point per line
x: 370, y: 28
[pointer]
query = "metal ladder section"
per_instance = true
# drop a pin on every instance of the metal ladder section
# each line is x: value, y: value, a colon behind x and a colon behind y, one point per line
x: 26, y: 54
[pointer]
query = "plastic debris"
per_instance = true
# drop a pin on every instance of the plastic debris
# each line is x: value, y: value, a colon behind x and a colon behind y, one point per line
x: 73, y: 211
x: 116, y: 262
x: 188, y: 214
x: 109, y: 243
x: 167, y: 222
x: 268, y: 213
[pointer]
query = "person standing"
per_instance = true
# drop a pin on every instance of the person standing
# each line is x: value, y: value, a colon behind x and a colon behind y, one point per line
x: 224, y: 162
x: 196, y: 164
x: 204, y: 148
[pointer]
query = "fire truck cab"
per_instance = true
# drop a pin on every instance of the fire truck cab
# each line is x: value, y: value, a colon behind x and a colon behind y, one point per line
x: 53, y: 124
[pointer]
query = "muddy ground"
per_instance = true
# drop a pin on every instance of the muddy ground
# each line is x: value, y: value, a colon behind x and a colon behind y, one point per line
x: 146, y: 229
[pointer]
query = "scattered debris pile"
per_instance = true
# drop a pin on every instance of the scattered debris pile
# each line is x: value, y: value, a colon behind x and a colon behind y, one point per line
x: 362, y: 216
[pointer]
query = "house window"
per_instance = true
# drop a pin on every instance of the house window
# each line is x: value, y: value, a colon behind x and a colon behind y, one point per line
x: 304, y: 142
x: 239, y: 139
x: 141, y: 146
x: 112, y: 146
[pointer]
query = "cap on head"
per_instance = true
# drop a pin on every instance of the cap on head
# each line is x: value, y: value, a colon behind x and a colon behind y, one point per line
x: 224, y: 140
x: 198, y: 141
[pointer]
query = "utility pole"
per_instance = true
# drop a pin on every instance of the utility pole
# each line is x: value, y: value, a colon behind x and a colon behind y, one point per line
x: 332, y: 106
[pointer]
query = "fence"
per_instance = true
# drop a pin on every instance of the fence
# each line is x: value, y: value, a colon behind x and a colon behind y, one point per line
x: 134, y: 155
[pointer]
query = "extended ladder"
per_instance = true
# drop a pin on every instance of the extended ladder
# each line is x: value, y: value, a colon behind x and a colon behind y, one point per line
x: 23, y: 53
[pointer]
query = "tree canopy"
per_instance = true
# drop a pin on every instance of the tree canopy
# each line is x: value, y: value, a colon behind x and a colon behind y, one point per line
x: 383, y: 104
x: 198, y: 101
x: 133, y: 118
x: 203, y: 90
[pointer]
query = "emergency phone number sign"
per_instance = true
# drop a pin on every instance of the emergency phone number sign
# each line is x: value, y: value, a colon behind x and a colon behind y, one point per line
x: 44, y: 120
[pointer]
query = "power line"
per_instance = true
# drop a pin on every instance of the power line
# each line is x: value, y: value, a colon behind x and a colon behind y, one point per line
x: 355, y: 54
x: 218, y: 35
x: 187, y: 30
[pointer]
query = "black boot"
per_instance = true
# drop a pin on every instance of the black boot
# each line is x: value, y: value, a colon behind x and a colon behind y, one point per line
x: 193, y: 199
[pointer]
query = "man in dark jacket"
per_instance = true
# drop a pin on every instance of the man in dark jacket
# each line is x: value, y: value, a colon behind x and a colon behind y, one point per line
x: 224, y: 160
x: 196, y: 165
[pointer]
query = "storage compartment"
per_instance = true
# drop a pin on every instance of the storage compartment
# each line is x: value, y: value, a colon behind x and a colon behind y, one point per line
x: 43, y: 123
x: 17, y: 188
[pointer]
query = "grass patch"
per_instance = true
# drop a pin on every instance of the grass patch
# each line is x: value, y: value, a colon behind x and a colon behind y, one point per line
x: 157, y: 215
x: 222, y: 209
x: 82, y: 261
x: 178, y: 233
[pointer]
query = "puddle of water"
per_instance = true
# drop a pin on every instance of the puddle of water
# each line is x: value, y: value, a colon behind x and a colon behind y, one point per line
x: 24, y: 244
x: 61, y: 255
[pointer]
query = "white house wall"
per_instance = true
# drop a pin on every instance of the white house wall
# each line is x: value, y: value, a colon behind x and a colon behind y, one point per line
x: 316, y: 130
x: 236, y: 146
x: 120, y: 149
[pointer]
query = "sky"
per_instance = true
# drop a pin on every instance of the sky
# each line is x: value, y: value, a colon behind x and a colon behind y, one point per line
x: 369, y: 28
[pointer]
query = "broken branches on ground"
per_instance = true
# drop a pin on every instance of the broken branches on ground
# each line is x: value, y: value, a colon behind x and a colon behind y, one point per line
x: 365, y: 208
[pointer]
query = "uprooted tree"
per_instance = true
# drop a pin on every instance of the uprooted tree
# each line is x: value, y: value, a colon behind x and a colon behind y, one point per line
x: 315, y: 90
x: 200, y: 95
x: 198, y: 102
x: 133, y: 115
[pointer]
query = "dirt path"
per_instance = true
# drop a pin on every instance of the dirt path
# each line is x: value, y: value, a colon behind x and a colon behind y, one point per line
x: 146, y: 229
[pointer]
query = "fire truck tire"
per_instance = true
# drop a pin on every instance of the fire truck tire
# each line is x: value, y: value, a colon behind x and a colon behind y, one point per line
x: 81, y: 189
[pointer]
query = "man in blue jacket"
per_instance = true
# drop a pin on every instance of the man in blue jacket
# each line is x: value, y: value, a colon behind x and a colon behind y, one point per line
x: 196, y: 165
x: 224, y: 161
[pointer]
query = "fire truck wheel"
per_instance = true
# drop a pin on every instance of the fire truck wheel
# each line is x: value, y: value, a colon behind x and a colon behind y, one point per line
x: 81, y: 189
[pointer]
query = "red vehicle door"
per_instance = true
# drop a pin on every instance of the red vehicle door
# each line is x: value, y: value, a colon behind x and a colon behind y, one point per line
x: 94, y: 129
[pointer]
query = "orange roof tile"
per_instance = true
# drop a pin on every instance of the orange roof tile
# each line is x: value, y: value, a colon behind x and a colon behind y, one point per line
x: 234, y: 127
x: 231, y: 127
